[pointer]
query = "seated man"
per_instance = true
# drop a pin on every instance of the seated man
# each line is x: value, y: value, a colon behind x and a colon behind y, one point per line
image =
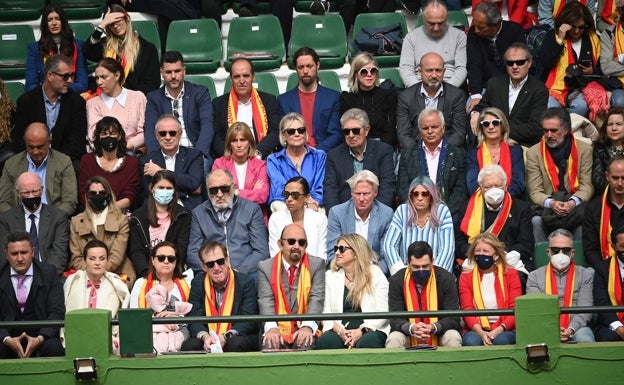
x: 292, y: 282
x: 571, y: 283
x: 29, y: 291
x: 608, y: 288
x: 185, y: 162
x: 53, y: 168
x: 420, y: 287
x: 220, y: 291
x: 362, y: 214
x: 47, y: 225
x: 358, y: 153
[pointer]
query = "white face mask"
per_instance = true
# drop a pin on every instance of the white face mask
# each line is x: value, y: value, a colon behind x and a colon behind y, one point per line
x: 560, y: 261
x: 494, y: 196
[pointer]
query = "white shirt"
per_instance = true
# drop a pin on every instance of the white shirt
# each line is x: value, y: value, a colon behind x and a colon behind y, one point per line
x: 488, y: 291
x: 431, y: 102
x: 184, y: 139
x: 616, y: 324
x: 121, y: 99
x: 245, y: 114
x: 361, y: 226
x: 170, y: 160
x: 514, y: 92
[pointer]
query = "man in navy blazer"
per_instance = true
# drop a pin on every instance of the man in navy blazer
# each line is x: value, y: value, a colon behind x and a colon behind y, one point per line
x: 190, y: 103
x: 185, y: 162
x: 362, y: 214
x: 320, y: 106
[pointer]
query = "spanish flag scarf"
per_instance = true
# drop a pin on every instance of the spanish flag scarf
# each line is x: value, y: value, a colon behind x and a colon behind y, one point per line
x: 122, y: 60
x: 499, y: 286
x: 74, y: 57
x: 618, y: 44
x: 148, y: 283
x: 559, y: 4
x: 485, y: 159
x: 614, y: 286
x: 260, y: 119
x: 606, y: 250
x: 428, y: 299
x: 608, y: 13
x: 553, y: 171
x: 472, y: 224
x: 568, y: 295
x: 226, y: 304
x: 282, y: 306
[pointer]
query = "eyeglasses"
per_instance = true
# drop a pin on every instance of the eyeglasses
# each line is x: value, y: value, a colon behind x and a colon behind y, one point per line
x: 92, y: 193
x: 291, y: 241
x: 342, y: 249
x: 510, y: 63
x: 416, y: 194
x: 31, y: 192
x: 176, y: 106
x: 161, y: 258
x: 223, y: 189
x: 564, y: 250
x: 172, y: 134
x: 579, y: 27
x: 65, y: 77
x: 354, y: 131
x: 299, y: 130
x: 368, y: 71
x: 293, y: 194
x: 211, y: 264
x: 493, y: 122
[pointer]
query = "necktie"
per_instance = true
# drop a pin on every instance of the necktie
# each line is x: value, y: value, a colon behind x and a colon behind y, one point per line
x: 93, y: 293
x: 33, y: 236
x: 292, y: 272
x: 493, y: 51
x: 22, y: 292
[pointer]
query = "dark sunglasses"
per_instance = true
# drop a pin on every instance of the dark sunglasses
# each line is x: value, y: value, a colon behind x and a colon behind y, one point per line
x: 291, y: 241
x: 564, y: 250
x: 293, y: 194
x: 96, y: 193
x: 354, y: 131
x: 164, y: 133
x: 366, y: 71
x: 215, y: 190
x: 299, y: 130
x: 424, y: 194
x: 170, y: 258
x: 510, y: 63
x: 493, y: 122
x: 211, y: 264
x: 65, y: 77
x: 342, y: 249
x: 579, y: 27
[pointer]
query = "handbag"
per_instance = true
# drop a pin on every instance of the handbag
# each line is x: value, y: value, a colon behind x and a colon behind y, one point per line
x: 385, y: 40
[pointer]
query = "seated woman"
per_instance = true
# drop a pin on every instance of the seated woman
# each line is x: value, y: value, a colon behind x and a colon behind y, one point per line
x: 56, y: 37
x: 162, y: 218
x: 379, y: 103
x: 495, y: 147
x: 165, y: 272
x: 354, y: 284
x: 126, y: 105
x: 423, y: 218
x: 296, y: 193
x: 7, y: 111
x: 296, y: 159
x: 110, y: 161
x: 114, y: 37
x: 101, y: 220
x: 491, y: 284
x: 609, y: 145
x: 95, y: 287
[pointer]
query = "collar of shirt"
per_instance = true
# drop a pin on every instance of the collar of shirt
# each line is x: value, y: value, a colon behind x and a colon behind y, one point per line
x: 167, y: 157
x: 424, y: 93
x: 286, y: 264
x: 121, y: 99
x: 520, y: 85
x: 29, y: 272
x: 357, y: 216
x: 363, y: 152
x: 222, y: 287
x: 435, y: 152
x: 48, y: 101
x: 180, y: 96
x: 490, y: 208
x: 36, y: 212
x: 33, y: 166
x: 497, y: 33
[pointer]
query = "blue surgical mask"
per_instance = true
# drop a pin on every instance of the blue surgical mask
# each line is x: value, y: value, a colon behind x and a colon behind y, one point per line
x: 164, y: 197
x: 484, y: 261
x: 421, y: 277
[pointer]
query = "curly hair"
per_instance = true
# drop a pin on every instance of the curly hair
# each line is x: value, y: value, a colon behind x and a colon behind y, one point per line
x: 6, y: 111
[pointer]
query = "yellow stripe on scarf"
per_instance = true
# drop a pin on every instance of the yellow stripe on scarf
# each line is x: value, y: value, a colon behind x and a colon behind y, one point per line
x: 478, y: 296
x: 226, y: 305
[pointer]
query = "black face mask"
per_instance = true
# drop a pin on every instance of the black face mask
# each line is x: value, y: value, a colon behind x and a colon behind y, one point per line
x: 98, y: 202
x: 109, y: 143
x: 31, y: 203
x: 421, y: 277
x: 484, y: 261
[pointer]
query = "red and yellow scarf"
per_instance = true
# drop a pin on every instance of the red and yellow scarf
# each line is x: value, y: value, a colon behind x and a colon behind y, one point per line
x: 559, y: 4
x: 568, y: 295
x: 473, y: 218
x: 122, y: 60
x: 606, y: 250
x: 148, y: 283
x: 74, y: 57
x: 618, y: 43
x: 553, y: 171
x: 226, y: 304
x: 485, y: 159
x: 501, y: 294
x: 615, y: 286
x: 608, y: 13
x: 428, y: 298
x: 260, y: 119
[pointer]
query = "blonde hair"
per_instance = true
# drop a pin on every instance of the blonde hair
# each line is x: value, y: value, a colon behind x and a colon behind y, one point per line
x: 126, y: 46
x: 359, y: 61
x: 504, y: 125
x: 245, y: 131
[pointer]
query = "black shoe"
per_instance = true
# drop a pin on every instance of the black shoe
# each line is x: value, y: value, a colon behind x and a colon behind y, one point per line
x: 319, y: 7
x: 247, y: 11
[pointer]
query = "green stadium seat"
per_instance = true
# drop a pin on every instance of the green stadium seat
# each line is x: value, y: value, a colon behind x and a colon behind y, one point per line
x: 391, y: 74
x: 325, y: 34
x: 14, y: 89
x: 82, y: 9
x: 259, y: 38
x: 149, y: 30
x: 373, y: 20
x: 265, y: 81
x: 199, y: 42
x: 14, y: 40
x: 542, y: 259
x: 328, y: 79
x: 455, y: 19
x: 20, y: 10
x: 203, y: 80
x: 82, y: 29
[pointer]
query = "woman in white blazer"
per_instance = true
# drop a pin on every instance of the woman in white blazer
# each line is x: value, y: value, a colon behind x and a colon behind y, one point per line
x: 354, y: 284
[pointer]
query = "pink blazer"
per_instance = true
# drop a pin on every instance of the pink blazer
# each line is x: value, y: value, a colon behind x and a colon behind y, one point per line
x: 256, y: 170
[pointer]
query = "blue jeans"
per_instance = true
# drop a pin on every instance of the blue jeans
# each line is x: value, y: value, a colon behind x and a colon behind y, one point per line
x: 617, y: 98
x: 584, y: 334
x: 577, y: 106
x: 472, y: 339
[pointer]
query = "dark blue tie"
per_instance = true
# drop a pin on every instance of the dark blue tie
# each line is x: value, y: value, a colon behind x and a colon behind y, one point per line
x: 33, y: 236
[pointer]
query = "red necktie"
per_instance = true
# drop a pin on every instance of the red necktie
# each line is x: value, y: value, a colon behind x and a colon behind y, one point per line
x: 93, y: 293
x: 292, y: 272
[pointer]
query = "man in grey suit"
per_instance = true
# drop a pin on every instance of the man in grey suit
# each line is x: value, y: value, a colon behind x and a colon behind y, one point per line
x: 297, y: 271
x: 53, y: 167
x: 47, y: 225
x: 362, y: 214
x: 434, y: 93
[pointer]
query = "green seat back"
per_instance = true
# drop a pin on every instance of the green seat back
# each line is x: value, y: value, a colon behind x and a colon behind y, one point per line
x: 325, y: 34
x: 14, y: 89
x: 82, y: 9
x: 542, y: 259
x: 328, y: 79
x: 20, y: 10
x: 203, y: 80
x: 149, y: 31
x: 392, y: 74
x: 256, y: 35
x: 265, y: 81
x: 373, y: 20
x: 199, y: 42
x: 82, y: 29
x: 14, y: 40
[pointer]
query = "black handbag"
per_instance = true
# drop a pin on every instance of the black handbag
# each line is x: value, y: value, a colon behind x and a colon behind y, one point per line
x: 386, y: 40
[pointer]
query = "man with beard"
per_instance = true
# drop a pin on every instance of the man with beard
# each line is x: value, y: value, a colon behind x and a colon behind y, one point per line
x: 432, y: 92
x: 320, y: 106
x: 229, y: 219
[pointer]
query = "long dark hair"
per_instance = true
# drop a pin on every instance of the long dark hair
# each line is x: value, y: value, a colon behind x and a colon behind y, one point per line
x: 172, y: 208
x: 46, y: 42
x: 105, y: 124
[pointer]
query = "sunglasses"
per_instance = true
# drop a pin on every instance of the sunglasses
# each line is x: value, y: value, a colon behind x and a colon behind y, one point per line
x: 291, y: 241
x: 215, y: 190
x: 293, y: 194
x: 342, y: 249
x: 416, y: 194
x: 211, y: 264
x: 96, y: 193
x: 493, y: 122
x: 172, y: 134
x: 354, y: 131
x: 65, y: 77
x: 170, y: 258
x: 366, y: 71
x: 510, y: 63
x: 564, y: 250
x: 299, y: 130
x: 579, y: 27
